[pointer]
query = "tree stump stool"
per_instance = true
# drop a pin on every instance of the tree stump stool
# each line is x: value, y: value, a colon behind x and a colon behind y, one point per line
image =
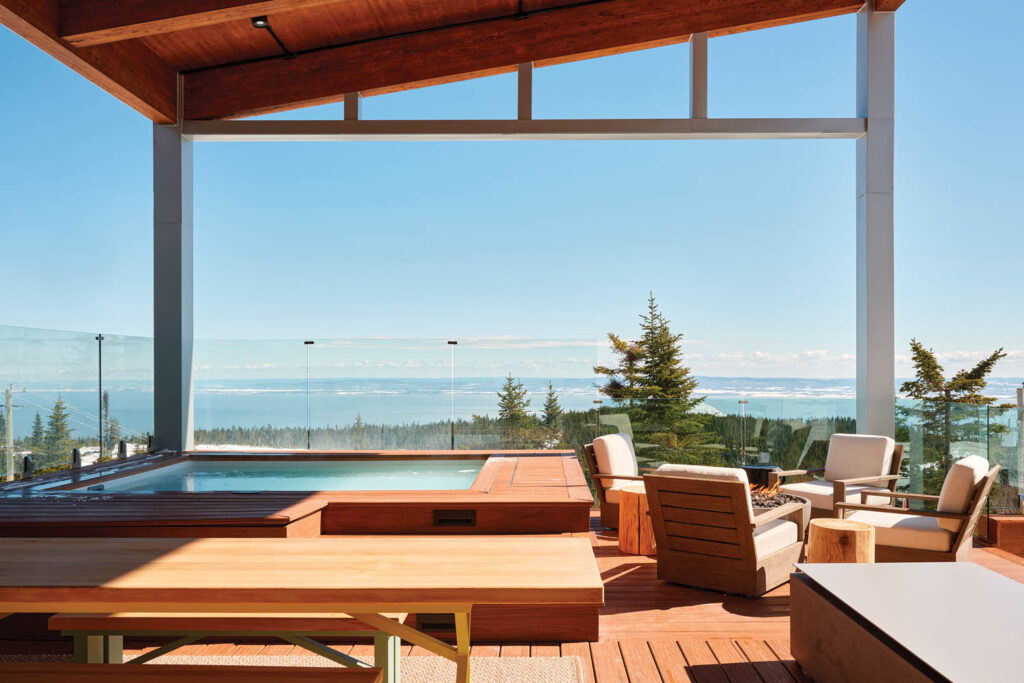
x: 636, y: 534
x: 840, y: 540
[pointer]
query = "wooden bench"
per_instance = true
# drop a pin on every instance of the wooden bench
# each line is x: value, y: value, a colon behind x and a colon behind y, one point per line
x: 99, y: 638
x: 32, y: 672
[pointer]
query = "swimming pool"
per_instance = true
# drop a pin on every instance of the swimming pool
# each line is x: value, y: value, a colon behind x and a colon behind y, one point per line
x: 299, y: 475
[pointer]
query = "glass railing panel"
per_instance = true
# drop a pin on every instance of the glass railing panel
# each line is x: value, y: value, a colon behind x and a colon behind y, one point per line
x: 49, y: 378
x: 126, y: 398
x: 729, y: 433
x: 513, y: 393
x: 380, y: 394
x: 249, y: 394
x: 937, y: 434
x: 1006, y: 449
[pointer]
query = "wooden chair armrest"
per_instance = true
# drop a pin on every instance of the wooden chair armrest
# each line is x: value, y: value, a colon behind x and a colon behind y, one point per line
x: 898, y: 494
x: 902, y: 511
x: 794, y: 473
x: 763, y: 518
x: 866, y: 480
x: 793, y: 510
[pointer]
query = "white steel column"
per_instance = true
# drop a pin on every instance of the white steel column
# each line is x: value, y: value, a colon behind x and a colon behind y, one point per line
x: 876, y: 372
x: 699, y: 76
x: 172, y: 289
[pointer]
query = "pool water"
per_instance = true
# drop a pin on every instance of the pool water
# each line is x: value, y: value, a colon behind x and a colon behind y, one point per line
x: 300, y: 475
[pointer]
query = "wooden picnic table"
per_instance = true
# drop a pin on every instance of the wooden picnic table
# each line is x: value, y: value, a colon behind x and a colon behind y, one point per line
x: 363, y: 576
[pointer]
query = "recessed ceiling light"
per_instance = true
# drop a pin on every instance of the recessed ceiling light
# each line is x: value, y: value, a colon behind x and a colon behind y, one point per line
x: 260, y: 22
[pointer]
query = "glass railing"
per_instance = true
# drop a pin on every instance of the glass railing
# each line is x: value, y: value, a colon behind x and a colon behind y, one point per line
x: 794, y: 434
x: 71, y: 390
x: 431, y: 394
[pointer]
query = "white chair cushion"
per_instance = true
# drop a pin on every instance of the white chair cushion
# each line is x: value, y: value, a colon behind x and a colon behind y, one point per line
x: 774, y: 536
x: 612, y: 494
x: 614, y: 455
x: 820, y: 493
x: 905, y: 531
x: 958, y: 488
x: 733, y: 474
x: 851, y: 456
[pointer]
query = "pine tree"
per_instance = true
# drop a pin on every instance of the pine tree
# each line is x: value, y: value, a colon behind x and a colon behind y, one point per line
x: 552, y: 409
x: 58, y: 433
x: 113, y: 435
x: 513, y: 403
x: 359, y: 432
x: 38, y: 442
x: 665, y: 383
x: 623, y: 380
x: 941, y: 421
x: 106, y: 445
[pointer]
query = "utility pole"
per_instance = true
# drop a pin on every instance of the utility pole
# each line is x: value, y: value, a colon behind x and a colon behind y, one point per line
x: 453, y: 344
x: 99, y: 340
x: 9, y: 436
x: 309, y: 429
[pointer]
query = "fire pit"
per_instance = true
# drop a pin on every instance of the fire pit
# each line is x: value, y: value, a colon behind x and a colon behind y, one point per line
x: 764, y: 498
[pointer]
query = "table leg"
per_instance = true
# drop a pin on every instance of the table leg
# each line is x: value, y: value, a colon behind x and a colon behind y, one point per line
x: 462, y: 640
x: 387, y: 655
x: 98, y: 649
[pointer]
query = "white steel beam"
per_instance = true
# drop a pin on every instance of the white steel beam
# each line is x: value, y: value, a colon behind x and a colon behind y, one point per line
x: 876, y: 371
x: 699, y: 76
x: 172, y: 289
x: 506, y: 129
x: 524, y: 78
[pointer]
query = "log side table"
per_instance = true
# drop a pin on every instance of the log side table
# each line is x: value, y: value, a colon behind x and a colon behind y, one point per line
x: 636, y: 534
x: 840, y: 540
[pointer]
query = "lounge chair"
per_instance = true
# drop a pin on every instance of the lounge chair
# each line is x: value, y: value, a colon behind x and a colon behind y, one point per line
x: 612, y: 464
x: 708, y: 536
x: 942, y: 535
x: 856, y: 464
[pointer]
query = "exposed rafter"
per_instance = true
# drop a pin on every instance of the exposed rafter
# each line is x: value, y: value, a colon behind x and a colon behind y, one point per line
x: 130, y: 72
x: 93, y: 22
x: 482, y: 47
x: 888, y: 5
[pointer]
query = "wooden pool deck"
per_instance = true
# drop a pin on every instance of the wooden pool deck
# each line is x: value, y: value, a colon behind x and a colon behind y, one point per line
x: 515, y: 492
x: 651, y: 632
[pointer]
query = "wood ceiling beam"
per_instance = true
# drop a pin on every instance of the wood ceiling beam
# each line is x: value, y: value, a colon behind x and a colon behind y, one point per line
x: 887, y: 5
x: 130, y: 72
x: 94, y: 22
x: 485, y: 47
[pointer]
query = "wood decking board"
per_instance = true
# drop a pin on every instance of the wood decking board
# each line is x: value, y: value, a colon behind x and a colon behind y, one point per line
x: 651, y: 631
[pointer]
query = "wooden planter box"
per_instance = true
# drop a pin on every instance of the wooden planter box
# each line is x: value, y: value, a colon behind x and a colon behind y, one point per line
x: 1005, y: 531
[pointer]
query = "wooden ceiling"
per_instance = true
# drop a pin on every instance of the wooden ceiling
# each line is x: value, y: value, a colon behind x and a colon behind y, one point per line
x: 325, y: 48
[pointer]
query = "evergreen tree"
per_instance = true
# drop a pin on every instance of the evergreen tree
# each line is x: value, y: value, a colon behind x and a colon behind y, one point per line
x: 939, y: 415
x: 58, y: 433
x: 665, y: 383
x: 106, y: 445
x: 359, y: 433
x: 113, y: 435
x: 38, y: 439
x: 623, y: 380
x: 552, y: 409
x: 513, y: 403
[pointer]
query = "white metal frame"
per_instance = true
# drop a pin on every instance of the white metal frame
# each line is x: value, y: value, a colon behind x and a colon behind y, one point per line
x: 872, y: 128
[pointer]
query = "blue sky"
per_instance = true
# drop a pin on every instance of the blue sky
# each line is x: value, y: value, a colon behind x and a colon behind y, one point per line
x: 749, y: 246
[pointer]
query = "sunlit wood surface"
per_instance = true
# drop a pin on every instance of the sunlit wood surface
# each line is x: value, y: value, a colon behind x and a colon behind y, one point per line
x: 650, y: 631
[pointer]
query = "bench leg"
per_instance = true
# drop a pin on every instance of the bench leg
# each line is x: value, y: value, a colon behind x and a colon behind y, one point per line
x: 387, y: 654
x: 93, y: 649
x: 462, y: 647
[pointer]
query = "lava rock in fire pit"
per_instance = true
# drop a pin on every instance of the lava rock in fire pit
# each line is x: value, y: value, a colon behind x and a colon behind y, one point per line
x: 765, y: 499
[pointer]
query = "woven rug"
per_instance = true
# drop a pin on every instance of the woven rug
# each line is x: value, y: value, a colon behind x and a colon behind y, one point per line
x: 415, y: 669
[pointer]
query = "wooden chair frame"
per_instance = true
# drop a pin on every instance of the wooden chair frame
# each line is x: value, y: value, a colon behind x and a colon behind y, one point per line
x: 609, y: 511
x: 705, y: 536
x: 839, y: 485
x: 960, y: 548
